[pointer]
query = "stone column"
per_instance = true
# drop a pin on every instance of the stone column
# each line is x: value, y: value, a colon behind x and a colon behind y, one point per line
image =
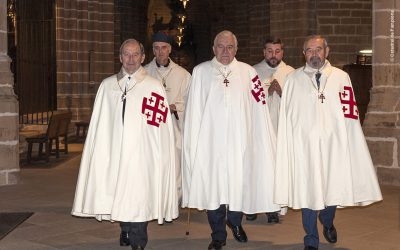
x: 382, y: 123
x: 9, y: 153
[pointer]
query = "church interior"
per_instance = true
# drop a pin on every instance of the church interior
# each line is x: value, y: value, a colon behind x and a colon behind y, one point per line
x: 55, y: 53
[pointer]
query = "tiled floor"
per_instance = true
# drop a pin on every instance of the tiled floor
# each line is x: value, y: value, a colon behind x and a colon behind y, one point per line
x: 48, y: 191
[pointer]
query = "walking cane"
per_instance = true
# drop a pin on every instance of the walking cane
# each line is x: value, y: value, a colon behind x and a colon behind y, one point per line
x: 188, y: 222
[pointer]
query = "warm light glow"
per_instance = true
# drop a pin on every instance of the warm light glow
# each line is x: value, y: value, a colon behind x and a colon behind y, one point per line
x: 180, y: 29
x: 181, y: 26
x: 182, y: 17
x: 184, y: 2
x: 179, y: 39
x: 11, y: 11
x: 365, y: 51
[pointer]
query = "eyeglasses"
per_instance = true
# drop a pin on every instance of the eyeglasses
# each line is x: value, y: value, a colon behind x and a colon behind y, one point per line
x: 310, y: 51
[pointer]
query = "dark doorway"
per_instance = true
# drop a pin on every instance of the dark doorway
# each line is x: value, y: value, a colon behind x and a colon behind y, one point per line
x: 35, y: 59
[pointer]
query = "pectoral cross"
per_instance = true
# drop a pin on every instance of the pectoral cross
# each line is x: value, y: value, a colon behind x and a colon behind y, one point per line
x: 226, y: 81
x: 123, y: 99
x: 322, y: 97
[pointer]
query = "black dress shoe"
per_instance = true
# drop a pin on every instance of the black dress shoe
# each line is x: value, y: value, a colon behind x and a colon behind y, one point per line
x: 124, y: 239
x: 273, y: 217
x: 330, y: 234
x: 217, y: 244
x: 251, y: 216
x: 310, y: 248
x: 238, y: 233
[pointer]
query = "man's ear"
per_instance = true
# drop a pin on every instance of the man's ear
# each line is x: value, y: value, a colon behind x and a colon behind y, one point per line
x: 326, y: 52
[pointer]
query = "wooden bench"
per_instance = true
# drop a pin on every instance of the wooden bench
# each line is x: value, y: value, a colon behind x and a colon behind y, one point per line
x: 58, y: 127
x: 81, y: 124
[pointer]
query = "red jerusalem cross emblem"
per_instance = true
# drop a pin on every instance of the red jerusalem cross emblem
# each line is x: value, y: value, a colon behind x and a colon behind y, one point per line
x: 349, y: 105
x: 155, y: 109
x: 257, y: 90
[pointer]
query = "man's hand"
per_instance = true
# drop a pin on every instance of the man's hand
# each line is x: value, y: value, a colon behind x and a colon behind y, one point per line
x: 172, y: 108
x: 274, y: 87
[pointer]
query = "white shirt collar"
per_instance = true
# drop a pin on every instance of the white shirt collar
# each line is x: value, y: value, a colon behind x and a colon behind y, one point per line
x: 311, y: 71
x: 222, y: 67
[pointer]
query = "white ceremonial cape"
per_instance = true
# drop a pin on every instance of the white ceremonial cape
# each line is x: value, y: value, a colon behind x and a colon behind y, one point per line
x: 322, y: 156
x: 228, y: 141
x: 177, y: 82
x: 268, y: 74
x: 127, y: 171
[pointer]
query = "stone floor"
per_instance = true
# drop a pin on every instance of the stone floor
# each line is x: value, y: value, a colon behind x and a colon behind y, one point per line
x: 48, y: 191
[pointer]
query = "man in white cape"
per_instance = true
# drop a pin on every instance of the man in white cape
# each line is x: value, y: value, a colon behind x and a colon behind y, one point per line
x: 228, y: 143
x: 322, y: 156
x: 175, y: 80
x: 127, y: 171
x: 272, y: 72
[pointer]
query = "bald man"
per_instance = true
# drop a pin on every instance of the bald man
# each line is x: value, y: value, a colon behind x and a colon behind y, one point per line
x: 127, y: 171
x: 228, y: 143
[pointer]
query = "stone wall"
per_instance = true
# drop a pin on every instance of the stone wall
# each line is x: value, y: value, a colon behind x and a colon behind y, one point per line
x: 128, y: 25
x: 347, y: 25
x: 9, y: 152
x: 292, y: 21
x: 85, y: 52
x: 382, y: 123
x: 248, y: 20
x: 201, y: 21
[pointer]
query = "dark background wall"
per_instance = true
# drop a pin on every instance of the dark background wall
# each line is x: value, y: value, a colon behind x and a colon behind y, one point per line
x: 88, y: 35
x: 347, y: 25
x: 130, y: 21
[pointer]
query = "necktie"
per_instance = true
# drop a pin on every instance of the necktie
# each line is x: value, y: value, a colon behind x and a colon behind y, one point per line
x: 317, y: 77
x: 124, y: 101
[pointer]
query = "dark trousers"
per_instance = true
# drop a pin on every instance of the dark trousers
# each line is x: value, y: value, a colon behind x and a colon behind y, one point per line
x: 137, y: 232
x: 309, y: 217
x: 216, y: 218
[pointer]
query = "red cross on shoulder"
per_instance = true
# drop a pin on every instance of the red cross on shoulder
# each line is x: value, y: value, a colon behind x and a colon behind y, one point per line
x: 257, y: 91
x: 349, y: 104
x: 154, y: 109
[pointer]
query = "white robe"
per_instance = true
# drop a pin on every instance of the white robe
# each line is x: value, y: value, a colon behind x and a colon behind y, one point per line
x: 322, y: 156
x: 177, y: 82
x: 127, y: 171
x: 267, y: 74
x: 228, y: 141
